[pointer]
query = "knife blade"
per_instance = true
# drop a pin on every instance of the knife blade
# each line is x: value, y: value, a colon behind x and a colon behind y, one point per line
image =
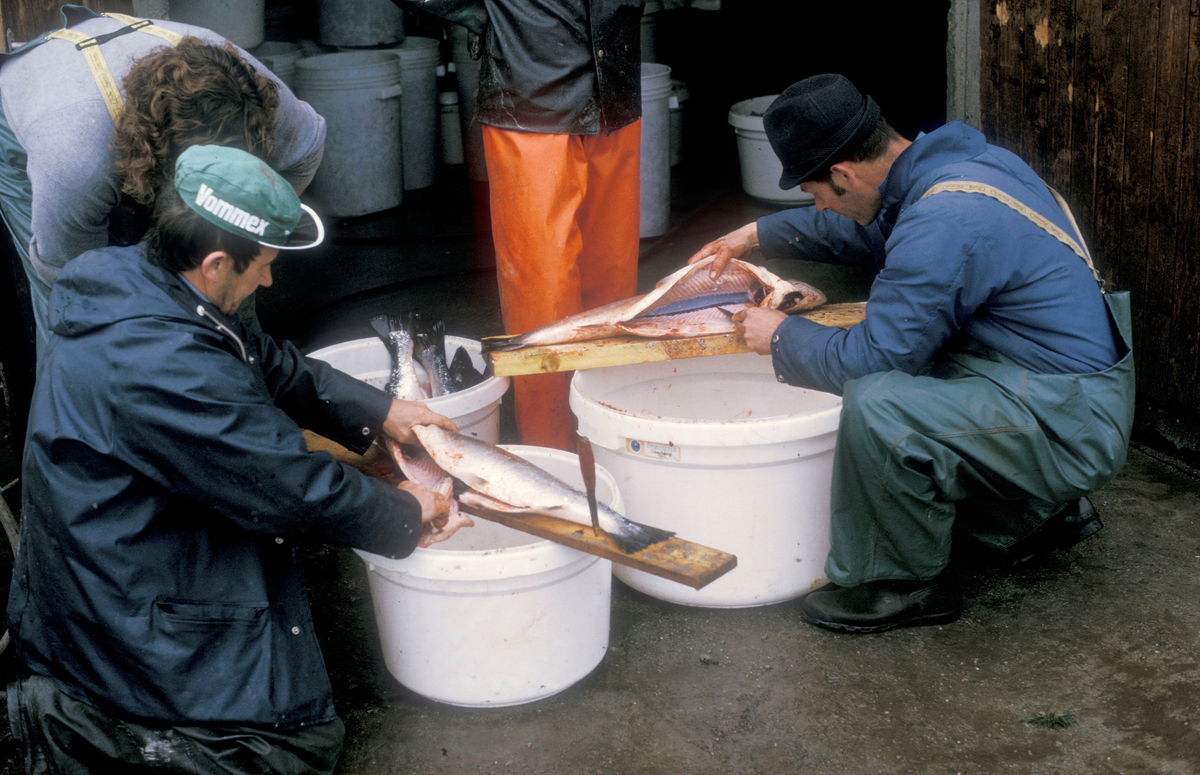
x: 587, y: 466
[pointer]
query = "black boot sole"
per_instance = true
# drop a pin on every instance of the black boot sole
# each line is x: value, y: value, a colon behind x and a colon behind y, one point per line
x: 922, y: 620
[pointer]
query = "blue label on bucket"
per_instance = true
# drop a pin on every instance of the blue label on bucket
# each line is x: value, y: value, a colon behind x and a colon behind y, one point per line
x: 651, y: 449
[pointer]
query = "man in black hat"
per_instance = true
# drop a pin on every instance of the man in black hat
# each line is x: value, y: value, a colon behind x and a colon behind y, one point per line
x: 989, y: 388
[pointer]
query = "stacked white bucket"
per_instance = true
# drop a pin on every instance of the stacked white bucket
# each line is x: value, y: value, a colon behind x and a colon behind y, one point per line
x: 240, y: 21
x: 655, y: 150
x: 380, y: 106
x: 358, y: 94
x: 761, y: 168
x: 420, y: 115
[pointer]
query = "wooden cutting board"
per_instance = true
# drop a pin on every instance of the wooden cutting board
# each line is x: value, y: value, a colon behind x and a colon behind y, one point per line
x: 624, y: 350
x: 675, y: 559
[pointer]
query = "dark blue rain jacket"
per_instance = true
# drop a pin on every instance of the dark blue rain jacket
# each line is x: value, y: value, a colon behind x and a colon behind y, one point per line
x: 166, y: 484
x: 947, y: 264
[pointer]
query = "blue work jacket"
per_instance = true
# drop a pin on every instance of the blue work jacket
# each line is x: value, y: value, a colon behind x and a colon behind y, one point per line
x: 166, y: 485
x: 951, y: 263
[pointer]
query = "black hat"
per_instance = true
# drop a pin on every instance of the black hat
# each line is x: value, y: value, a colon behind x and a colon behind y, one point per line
x: 814, y: 121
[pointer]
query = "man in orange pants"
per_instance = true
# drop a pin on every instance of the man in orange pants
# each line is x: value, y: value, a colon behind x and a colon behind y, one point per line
x: 560, y: 102
x: 565, y: 222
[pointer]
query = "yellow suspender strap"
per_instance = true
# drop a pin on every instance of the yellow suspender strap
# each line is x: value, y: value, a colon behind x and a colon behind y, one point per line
x: 100, y: 71
x: 1039, y: 220
x: 144, y: 25
x: 91, y: 49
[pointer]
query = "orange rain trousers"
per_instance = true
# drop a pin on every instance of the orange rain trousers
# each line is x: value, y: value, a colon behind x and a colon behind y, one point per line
x: 565, y: 223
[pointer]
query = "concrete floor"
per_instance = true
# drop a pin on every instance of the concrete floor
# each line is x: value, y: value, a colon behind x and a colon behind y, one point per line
x: 1106, y: 632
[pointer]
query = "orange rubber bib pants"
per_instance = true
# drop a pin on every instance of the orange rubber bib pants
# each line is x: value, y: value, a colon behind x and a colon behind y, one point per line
x: 565, y: 223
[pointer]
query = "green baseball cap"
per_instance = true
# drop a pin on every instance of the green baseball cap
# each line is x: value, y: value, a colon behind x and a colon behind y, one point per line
x: 240, y: 193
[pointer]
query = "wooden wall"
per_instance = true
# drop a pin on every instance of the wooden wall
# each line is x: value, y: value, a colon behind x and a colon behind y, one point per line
x: 24, y: 19
x: 1102, y: 98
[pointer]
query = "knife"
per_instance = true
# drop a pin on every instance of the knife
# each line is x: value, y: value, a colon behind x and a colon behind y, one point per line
x: 587, y: 466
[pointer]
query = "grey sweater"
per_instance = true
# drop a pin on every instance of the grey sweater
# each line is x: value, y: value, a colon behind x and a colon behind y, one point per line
x: 54, y: 108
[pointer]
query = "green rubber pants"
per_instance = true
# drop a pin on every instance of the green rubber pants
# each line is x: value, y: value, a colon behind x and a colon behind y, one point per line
x: 975, y: 443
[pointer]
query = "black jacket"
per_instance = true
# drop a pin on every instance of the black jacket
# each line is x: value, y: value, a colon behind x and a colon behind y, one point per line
x: 553, y: 66
x: 166, y: 483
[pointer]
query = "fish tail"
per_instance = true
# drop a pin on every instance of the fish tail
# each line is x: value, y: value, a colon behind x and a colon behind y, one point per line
x: 382, y: 326
x: 501, y: 344
x: 635, y: 537
x: 411, y: 323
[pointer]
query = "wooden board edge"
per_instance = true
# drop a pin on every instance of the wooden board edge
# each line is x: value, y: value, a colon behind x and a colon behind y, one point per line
x: 654, y: 559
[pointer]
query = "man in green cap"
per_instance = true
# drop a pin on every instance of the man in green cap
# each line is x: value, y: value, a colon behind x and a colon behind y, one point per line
x: 157, y: 598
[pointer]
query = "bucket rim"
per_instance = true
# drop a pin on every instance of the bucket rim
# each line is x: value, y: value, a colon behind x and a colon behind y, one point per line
x: 680, y: 431
x: 739, y: 112
x: 349, y: 60
x: 492, y: 388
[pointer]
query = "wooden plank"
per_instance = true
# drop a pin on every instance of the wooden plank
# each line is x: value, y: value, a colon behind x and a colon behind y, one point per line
x: 1171, y: 203
x: 625, y: 350
x: 675, y: 559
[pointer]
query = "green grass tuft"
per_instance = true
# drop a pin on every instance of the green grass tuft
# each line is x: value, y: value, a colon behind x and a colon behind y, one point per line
x: 1051, y: 720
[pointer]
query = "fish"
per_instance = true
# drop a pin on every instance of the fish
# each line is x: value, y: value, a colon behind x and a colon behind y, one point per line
x: 685, y: 303
x: 416, y: 465
x: 431, y: 352
x: 463, y: 373
x: 403, y: 383
x: 498, y: 480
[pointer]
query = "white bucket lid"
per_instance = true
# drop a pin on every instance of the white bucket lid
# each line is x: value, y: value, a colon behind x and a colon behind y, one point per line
x: 748, y: 114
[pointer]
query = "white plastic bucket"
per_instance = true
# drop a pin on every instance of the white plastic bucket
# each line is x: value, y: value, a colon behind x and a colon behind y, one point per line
x: 358, y: 93
x: 655, y: 150
x: 419, y: 58
x: 493, y: 616
x: 719, y: 451
x: 239, y: 21
x: 360, y: 23
x: 283, y: 65
x: 468, y: 87
x: 679, y: 95
x: 761, y: 168
x: 649, y: 30
x: 476, y: 410
x: 451, y: 129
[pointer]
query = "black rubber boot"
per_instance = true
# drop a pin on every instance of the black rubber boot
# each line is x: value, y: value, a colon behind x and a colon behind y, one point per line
x: 884, y: 605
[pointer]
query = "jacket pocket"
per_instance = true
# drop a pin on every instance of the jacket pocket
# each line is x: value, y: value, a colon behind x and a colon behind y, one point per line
x: 178, y: 614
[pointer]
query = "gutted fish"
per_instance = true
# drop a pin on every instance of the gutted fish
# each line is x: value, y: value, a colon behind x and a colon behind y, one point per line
x: 500, y: 481
x: 403, y: 382
x: 416, y: 465
x: 685, y: 303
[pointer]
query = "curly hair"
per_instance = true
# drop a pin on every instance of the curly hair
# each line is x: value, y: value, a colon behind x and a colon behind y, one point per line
x: 194, y: 93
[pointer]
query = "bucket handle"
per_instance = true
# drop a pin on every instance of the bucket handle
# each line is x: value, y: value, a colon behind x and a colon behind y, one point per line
x: 389, y: 92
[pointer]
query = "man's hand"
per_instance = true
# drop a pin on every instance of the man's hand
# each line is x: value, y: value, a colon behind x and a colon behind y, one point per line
x: 434, y: 505
x: 443, y: 527
x: 735, y: 244
x: 757, y: 326
x: 403, y: 415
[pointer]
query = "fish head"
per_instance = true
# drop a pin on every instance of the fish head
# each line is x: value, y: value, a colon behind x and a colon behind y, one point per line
x: 802, y: 297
